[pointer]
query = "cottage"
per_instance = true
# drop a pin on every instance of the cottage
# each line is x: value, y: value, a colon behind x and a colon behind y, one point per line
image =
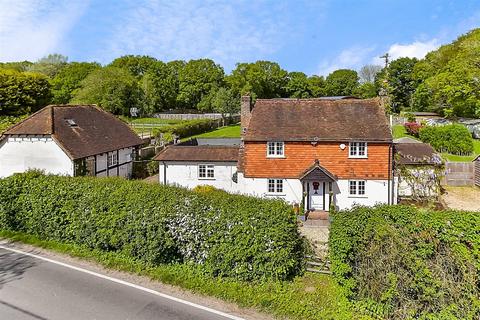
x: 315, y: 152
x: 69, y: 140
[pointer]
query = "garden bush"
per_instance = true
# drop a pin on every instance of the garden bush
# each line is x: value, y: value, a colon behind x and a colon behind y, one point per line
x: 399, y: 262
x: 453, y: 138
x: 412, y: 128
x: 230, y: 236
x: 188, y: 128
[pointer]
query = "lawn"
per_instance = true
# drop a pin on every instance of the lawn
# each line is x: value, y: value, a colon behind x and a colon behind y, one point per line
x: 399, y: 132
x: 232, y: 131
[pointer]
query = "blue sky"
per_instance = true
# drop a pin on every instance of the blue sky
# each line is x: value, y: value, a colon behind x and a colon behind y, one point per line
x: 315, y: 37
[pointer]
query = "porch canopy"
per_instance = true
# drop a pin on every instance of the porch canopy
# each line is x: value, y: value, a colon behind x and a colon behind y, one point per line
x: 318, y: 173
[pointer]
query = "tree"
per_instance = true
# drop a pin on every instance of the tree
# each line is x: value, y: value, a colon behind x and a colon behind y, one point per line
x: 262, y: 79
x: 68, y: 80
x: 17, y: 66
x: 225, y: 102
x: 49, y: 65
x: 136, y: 65
x: 298, y: 85
x: 22, y: 92
x: 368, y: 72
x: 197, y: 79
x: 366, y: 90
x: 342, y: 82
x: 113, y: 89
x: 401, y: 82
x: 449, y: 78
x: 160, y: 85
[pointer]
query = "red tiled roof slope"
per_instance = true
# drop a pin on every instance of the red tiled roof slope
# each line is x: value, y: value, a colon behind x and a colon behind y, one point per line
x: 317, y: 119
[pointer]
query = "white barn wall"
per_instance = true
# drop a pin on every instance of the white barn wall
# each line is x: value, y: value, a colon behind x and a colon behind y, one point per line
x: 186, y: 174
x: 19, y: 154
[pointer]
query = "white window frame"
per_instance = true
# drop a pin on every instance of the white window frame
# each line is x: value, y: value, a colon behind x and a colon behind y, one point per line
x: 112, y: 159
x: 358, y: 150
x: 275, y: 186
x: 275, y: 149
x: 208, y: 171
x: 359, y: 188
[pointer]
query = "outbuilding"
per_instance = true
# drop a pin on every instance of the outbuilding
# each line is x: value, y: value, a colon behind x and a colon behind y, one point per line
x: 72, y: 140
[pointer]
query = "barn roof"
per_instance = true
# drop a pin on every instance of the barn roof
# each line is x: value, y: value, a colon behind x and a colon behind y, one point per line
x: 416, y: 154
x: 80, y: 130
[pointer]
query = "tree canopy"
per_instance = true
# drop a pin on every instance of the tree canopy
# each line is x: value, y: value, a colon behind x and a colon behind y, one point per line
x: 446, y: 81
x: 22, y: 92
x: 112, y: 88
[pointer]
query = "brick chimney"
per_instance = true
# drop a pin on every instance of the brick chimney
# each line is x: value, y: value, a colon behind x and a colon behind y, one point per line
x: 245, y: 113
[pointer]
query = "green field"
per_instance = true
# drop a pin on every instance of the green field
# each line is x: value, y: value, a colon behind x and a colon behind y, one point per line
x: 232, y: 131
x: 399, y: 132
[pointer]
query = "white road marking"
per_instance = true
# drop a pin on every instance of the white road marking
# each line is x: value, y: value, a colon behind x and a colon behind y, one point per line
x: 125, y: 283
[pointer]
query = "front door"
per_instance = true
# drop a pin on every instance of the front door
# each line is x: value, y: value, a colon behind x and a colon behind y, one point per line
x: 317, y: 195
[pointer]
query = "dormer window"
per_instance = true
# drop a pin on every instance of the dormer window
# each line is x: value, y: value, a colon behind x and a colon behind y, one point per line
x: 275, y: 149
x: 71, y: 122
x: 357, y: 150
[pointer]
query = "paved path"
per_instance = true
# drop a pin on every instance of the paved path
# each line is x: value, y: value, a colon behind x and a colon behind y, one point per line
x: 37, y: 288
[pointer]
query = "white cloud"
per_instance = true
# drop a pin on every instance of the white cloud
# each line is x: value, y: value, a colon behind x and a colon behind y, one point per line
x: 417, y: 49
x: 30, y: 29
x: 351, y: 58
x: 225, y: 31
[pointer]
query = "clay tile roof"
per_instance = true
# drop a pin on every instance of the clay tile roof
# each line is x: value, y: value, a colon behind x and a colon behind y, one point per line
x: 416, y: 154
x: 318, y: 120
x: 199, y: 153
x: 80, y: 130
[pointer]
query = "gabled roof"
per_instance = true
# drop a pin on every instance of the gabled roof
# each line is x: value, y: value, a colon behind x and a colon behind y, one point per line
x: 318, y: 120
x: 80, y: 130
x: 317, y: 172
x: 208, y: 153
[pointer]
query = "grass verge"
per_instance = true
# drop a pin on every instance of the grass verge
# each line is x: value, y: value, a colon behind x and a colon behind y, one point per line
x: 312, y: 296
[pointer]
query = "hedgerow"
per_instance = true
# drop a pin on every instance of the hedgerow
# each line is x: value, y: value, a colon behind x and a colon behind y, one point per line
x: 188, y: 128
x: 399, y: 262
x: 230, y: 236
x: 453, y: 138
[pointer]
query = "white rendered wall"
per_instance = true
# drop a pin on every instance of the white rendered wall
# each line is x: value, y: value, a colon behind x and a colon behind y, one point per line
x: 376, y: 192
x: 186, y: 175
x: 292, y: 188
x: 21, y: 154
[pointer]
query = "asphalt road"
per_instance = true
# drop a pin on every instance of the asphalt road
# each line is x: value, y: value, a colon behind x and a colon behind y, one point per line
x: 32, y: 288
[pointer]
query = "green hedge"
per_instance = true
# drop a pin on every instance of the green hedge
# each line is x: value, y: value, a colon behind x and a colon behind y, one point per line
x: 399, y: 262
x: 453, y: 138
x: 232, y: 236
x: 188, y: 128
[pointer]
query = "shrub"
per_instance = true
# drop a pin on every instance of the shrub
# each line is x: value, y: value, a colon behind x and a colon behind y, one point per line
x: 188, y: 128
x: 399, y: 262
x: 453, y: 138
x: 412, y: 128
x: 227, y: 235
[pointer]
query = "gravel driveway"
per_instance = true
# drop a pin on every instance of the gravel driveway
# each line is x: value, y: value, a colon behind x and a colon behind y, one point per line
x: 462, y: 198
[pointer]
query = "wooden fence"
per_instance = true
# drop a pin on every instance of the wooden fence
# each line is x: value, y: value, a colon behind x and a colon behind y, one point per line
x: 459, y: 174
x: 477, y: 171
x: 193, y: 116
